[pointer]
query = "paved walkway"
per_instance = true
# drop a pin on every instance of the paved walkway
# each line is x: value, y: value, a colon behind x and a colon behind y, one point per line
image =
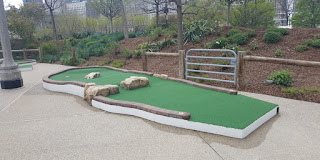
x: 39, y: 124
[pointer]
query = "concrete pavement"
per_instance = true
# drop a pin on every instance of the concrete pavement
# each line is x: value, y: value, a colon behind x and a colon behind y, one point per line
x: 39, y: 124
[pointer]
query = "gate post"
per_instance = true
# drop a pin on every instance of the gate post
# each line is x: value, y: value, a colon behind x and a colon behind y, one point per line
x: 24, y: 53
x: 182, y: 54
x: 144, y: 61
x: 74, y: 60
x: 40, y: 54
x: 240, y: 65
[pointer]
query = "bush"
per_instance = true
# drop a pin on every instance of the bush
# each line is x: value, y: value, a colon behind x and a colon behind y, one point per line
x: 291, y: 91
x: 155, y: 33
x: 283, y: 78
x: 316, y: 43
x: 317, y: 36
x: 197, y: 39
x: 239, y: 39
x: 251, y: 33
x: 67, y: 60
x: 132, y: 35
x: 272, y: 37
x: 198, y: 28
x: 117, y: 64
x: 50, y: 52
x: 219, y: 43
x: 253, y: 44
x: 233, y: 32
x: 301, y: 48
x: 309, y: 42
x: 112, y: 48
x: 127, y: 53
x: 278, y: 53
x: 282, y: 31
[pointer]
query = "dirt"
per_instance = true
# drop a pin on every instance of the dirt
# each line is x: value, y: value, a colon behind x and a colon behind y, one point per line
x: 255, y: 73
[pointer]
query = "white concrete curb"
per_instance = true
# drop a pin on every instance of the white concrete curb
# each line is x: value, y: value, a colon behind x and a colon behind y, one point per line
x: 209, y: 128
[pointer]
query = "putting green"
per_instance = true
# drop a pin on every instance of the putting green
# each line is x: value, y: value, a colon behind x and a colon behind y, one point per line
x: 25, y: 66
x: 206, y: 106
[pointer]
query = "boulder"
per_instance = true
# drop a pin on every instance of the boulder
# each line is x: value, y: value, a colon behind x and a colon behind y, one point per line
x: 134, y: 82
x: 93, y: 90
x: 162, y: 76
x: 92, y: 75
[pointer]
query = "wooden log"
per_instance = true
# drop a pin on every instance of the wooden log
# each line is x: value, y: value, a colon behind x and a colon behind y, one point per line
x: 282, y: 61
x: 26, y: 50
x: 24, y: 54
x: 144, y: 61
x: 162, y: 54
x: 40, y: 54
x: 181, y: 64
x: 74, y: 60
x: 239, y: 70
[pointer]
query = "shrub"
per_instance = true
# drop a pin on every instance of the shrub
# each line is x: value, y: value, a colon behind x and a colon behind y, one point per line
x: 311, y: 89
x: 278, y: 53
x: 317, y: 36
x: 155, y: 33
x: 291, y: 91
x: 197, y: 39
x: 239, y: 39
x: 309, y: 42
x: 283, y: 78
x: 282, y: 31
x: 251, y: 33
x: 112, y: 48
x: 219, y: 43
x: 50, y: 52
x: 127, y: 53
x: 272, y: 37
x: 132, y: 35
x: 198, y: 28
x: 167, y: 42
x: 316, y: 43
x: 143, y: 33
x: 67, y: 60
x: 253, y: 44
x: 117, y: 64
x: 233, y: 32
x: 301, y: 48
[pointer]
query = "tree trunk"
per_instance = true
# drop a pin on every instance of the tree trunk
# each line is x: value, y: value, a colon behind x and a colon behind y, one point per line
x: 53, y: 26
x: 228, y: 17
x: 124, y: 21
x: 111, y: 24
x: 157, y: 15
x: 180, y: 26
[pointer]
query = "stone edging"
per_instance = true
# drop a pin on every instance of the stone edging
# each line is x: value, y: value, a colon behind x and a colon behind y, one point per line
x: 140, y: 106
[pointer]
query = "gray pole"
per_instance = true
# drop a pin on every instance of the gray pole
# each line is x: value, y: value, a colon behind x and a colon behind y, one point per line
x: 10, y: 75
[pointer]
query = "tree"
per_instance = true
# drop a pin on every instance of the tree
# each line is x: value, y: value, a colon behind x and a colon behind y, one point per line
x: 145, y: 6
x: 53, y: 5
x: 67, y: 25
x: 254, y: 14
x: 287, y: 7
x: 23, y: 21
x: 229, y: 2
x: 308, y: 14
x: 124, y: 20
x: 108, y: 8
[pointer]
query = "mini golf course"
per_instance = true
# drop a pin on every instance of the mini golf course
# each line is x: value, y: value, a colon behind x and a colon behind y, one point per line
x: 24, y: 65
x: 211, y: 111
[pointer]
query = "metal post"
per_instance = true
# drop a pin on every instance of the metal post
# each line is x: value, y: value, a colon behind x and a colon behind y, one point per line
x: 10, y: 75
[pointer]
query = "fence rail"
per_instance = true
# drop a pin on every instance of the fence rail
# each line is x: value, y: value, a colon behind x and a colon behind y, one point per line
x: 180, y: 55
x: 28, y: 50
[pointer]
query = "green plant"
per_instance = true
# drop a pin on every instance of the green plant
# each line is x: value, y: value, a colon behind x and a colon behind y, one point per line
x: 278, y: 53
x: 239, y: 39
x: 309, y: 42
x: 317, y: 36
x: 301, y: 48
x: 253, y: 44
x: 194, y: 67
x: 316, y: 43
x: 251, y: 33
x: 272, y: 37
x: 291, y: 91
x: 219, y: 43
x: 233, y: 32
x: 132, y: 35
x: 136, y: 53
x: 107, y: 61
x: 283, y: 78
x: 311, y: 89
x: 100, y: 64
x: 155, y: 33
x: 50, y: 52
x: 198, y: 28
x: 117, y: 64
x: 67, y: 60
x: 167, y: 42
x: 112, y: 48
x: 127, y: 53
x: 197, y: 39
x: 282, y: 31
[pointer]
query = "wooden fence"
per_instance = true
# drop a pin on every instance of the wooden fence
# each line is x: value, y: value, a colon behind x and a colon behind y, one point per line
x: 24, y: 51
x: 180, y: 55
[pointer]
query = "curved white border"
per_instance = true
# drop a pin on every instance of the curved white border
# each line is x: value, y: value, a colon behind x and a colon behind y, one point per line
x: 181, y: 123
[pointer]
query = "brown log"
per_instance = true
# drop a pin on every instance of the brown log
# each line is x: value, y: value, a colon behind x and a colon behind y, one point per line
x: 181, y: 64
x: 162, y: 54
x: 144, y: 61
x: 74, y: 60
x: 24, y: 54
x: 40, y: 54
x: 240, y: 64
x: 282, y: 61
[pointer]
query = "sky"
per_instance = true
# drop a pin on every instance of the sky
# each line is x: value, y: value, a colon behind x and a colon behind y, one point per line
x: 16, y: 3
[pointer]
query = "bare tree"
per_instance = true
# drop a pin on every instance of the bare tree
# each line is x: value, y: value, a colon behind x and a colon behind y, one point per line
x: 124, y: 20
x: 108, y: 8
x: 287, y: 6
x: 51, y: 6
x: 229, y: 2
x: 145, y: 6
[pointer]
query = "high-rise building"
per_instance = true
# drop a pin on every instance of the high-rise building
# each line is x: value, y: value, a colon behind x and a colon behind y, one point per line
x: 30, y: 1
x: 81, y: 8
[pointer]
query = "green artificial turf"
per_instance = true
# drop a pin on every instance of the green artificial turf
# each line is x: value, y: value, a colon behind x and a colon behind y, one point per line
x: 206, y: 106
x: 25, y: 66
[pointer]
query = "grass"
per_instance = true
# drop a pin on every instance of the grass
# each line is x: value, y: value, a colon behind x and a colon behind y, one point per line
x: 206, y: 106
